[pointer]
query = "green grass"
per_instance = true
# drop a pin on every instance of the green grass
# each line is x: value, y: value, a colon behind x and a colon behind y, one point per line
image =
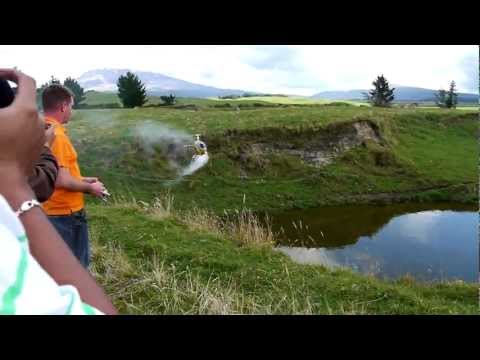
x: 165, y: 263
x: 425, y: 149
x: 292, y: 100
x: 96, y: 97
x: 211, y: 121
x: 439, y: 148
x: 471, y: 108
x: 164, y: 266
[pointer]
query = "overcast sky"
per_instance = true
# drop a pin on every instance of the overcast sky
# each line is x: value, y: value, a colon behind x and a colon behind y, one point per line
x: 302, y: 70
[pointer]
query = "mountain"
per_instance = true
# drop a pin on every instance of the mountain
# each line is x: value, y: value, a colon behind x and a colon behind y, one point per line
x: 340, y: 95
x: 402, y: 93
x: 155, y: 83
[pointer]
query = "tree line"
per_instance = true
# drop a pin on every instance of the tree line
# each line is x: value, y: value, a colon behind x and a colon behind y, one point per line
x: 382, y: 95
x: 132, y: 93
x: 130, y: 90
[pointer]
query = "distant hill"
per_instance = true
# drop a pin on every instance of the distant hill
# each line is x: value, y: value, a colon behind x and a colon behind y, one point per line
x: 159, y: 84
x: 155, y: 83
x: 402, y: 93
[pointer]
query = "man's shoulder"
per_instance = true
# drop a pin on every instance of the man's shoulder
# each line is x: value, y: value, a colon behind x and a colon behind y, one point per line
x: 62, y: 146
x: 61, y: 136
x: 59, y: 130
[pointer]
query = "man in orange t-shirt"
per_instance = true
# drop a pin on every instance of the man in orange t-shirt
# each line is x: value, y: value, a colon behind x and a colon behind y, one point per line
x: 65, y: 208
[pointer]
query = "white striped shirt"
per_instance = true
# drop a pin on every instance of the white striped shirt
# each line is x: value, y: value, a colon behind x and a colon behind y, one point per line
x: 25, y: 287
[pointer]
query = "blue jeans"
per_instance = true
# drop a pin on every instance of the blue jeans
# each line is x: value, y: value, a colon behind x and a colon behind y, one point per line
x: 74, y: 230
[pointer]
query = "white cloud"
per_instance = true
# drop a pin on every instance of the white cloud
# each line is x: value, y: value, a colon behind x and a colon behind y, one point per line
x: 302, y: 70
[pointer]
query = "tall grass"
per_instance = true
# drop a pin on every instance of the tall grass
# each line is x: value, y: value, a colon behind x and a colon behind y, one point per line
x: 244, y: 227
x: 151, y: 286
x: 248, y: 230
x: 198, y: 219
x: 162, y: 207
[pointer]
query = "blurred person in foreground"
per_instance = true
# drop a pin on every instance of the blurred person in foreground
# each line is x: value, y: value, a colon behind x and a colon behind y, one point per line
x: 38, y: 272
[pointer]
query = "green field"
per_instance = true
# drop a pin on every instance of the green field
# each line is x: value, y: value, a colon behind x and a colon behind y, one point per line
x: 425, y: 148
x: 95, y: 98
x: 426, y: 155
x: 292, y: 100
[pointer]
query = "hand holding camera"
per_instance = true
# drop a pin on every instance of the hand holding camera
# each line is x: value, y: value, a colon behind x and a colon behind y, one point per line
x: 22, y: 133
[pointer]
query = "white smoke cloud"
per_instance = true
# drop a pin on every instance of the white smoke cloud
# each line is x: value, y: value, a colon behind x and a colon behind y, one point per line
x: 172, y: 143
x: 153, y: 134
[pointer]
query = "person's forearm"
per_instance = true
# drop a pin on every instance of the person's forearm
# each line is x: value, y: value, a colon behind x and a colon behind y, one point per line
x: 48, y: 247
x: 68, y: 182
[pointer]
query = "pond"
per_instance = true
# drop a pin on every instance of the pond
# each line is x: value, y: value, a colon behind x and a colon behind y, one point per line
x: 426, y: 241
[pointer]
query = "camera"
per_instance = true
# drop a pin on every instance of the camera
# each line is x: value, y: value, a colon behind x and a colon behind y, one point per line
x: 7, y: 94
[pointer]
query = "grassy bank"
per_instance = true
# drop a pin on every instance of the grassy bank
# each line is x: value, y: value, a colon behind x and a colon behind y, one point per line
x: 153, y: 259
x: 426, y: 155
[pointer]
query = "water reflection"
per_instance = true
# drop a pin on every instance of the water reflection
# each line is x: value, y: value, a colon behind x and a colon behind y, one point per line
x: 311, y: 256
x: 430, y: 242
x: 417, y: 227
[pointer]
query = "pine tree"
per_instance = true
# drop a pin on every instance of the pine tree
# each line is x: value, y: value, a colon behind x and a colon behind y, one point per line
x: 451, y: 99
x: 381, y: 95
x: 77, y: 90
x: 131, y: 90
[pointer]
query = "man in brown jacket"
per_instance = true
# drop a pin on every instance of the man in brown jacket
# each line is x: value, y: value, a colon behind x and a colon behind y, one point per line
x: 42, y: 181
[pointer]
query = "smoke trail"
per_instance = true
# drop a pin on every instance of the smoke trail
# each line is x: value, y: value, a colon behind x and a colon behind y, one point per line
x: 171, y: 143
x: 196, y: 164
x: 154, y: 135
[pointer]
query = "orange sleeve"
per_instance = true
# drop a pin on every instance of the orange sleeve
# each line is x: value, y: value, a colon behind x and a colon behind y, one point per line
x: 61, y: 149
